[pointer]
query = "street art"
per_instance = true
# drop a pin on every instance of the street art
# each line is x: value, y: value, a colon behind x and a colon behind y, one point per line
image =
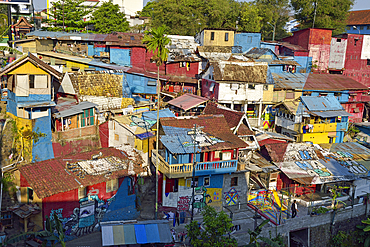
x: 269, y: 205
x: 232, y: 197
x: 85, y: 219
x: 183, y: 203
x: 142, y: 123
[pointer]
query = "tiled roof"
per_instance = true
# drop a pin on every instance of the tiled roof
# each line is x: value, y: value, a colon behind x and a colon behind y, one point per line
x: 63, y: 174
x: 276, y: 151
x: 213, y: 125
x: 270, y: 141
x: 232, y: 117
x: 360, y: 17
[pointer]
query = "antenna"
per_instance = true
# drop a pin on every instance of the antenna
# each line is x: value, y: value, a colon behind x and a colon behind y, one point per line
x: 314, y: 15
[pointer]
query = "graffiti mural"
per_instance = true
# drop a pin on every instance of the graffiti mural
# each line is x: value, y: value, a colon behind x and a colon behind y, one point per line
x: 183, y: 203
x: 232, y: 197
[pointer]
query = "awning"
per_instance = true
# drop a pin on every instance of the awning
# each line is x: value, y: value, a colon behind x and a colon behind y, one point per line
x: 36, y: 104
x: 329, y: 114
x: 123, y: 234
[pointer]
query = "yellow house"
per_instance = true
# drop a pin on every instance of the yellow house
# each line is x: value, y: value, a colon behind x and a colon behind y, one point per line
x: 216, y: 37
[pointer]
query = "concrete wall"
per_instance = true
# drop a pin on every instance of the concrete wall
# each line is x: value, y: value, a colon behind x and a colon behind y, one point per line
x: 248, y: 41
x: 226, y: 95
x: 338, y: 48
x: 219, y: 38
x: 235, y: 194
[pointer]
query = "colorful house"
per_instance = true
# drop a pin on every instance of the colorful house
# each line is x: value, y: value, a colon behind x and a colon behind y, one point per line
x: 317, y: 42
x: 215, y: 37
x: 28, y: 89
x: 315, y: 119
x: 207, y: 141
x: 187, y: 105
x: 358, y: 22
x: 80, y: 188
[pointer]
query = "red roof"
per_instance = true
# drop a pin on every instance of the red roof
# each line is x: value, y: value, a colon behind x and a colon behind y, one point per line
x: 359, y: 17
x: 187, y: 101
x: 213, y: 125
x: 232, y: 117
x: 276, y: 151
x: 270, y: 141
x: 332, y: 82
x: 59, y: 175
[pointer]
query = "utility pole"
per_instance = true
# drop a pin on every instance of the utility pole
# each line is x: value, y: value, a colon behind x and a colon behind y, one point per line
x: 314, y: 15
x: 9, y: 23
x: 273, y: 32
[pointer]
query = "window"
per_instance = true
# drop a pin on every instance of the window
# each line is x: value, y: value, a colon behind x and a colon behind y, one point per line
x: 189, y: 181
x: 265, y: 87
x: 249, y: 39
x: 355, y: 43
x: 207, y: 181
x: 32, y: 81
x: 88, y: 117
x: 116, y: 137
x: 30, y: 195
x: 22, y: 85
x: 226, y: 156
x: 81, y: 192
x: 289, y: 95
x: 251, y: 86
x: 368, y: 62
x: 226, y: 36
x: 339, y: 40
x: 361, y: 27
x: 212, y: 35
x: 111, y: 185
x: 234, y: 181
x: 217, y: 154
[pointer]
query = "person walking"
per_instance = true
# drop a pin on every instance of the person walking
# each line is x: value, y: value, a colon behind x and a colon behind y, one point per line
x: 294, y: 209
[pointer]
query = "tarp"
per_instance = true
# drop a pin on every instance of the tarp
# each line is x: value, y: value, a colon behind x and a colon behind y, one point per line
x: 140, y: 233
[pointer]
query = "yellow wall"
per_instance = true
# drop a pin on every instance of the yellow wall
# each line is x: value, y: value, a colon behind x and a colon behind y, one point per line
x: 268, y: 94
x: 23, y: 126
x: 315, y: 138
x: 29, y: 46
x: 28, y: 68
x: 69, y: 66
x: 219, y: 39
x: 280, y: 95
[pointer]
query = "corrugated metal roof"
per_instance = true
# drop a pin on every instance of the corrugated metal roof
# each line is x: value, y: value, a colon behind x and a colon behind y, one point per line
x: 36, y: 104
x: 290, y: 80
x: 329, y: 114
x: 292, y: 46
x: 258, y: 52
x: 359, y: 17
x: 351, y: 147
x: 74, y: 109
x: 332, y: 82
x: 321, y: 103
x: 180, y: 144
x: 187, y: 101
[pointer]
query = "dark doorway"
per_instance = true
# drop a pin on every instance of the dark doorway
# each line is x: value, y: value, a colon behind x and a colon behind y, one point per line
x: 299, y: 238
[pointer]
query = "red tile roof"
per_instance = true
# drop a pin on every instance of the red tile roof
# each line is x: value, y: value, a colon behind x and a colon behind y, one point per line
x: 213, y: 125
x: 54, y: 176
x: 270, y: 141
x: 232, y: 117
x: 360, y: 17
x: 331, y: 82
x: 276, y: 151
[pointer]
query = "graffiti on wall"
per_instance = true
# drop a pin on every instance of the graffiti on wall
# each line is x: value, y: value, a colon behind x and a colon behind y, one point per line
x: 232, y: 197
x: 183, y: 203
x: 85, y: 218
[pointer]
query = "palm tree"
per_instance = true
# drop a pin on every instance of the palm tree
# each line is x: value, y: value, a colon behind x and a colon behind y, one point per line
x: 156, y: 42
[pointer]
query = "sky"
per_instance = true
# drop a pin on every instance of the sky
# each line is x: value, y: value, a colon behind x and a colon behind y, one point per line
x: 359, y: 4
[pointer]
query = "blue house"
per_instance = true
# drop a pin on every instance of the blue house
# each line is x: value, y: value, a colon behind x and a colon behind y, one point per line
x: 358, y: 22
x: 247, y: 40
x: 28, y: 86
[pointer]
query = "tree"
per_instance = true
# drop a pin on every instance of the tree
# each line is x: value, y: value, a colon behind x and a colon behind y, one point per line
x: 329, y: 13
x: 216, y: 229
x: 107, y: 18
x: 275, y: 14
x: 156, y: 42
x: 250, y: 19
x: 69, y: 15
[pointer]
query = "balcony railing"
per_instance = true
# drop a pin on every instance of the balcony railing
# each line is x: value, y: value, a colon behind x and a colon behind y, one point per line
x: 201, y: 168
x: 317, y: 128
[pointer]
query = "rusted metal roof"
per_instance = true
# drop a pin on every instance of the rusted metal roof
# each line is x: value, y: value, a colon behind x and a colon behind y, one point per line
x: 332, y: 82
x: 359, y: 17
x: 187, y: 101
x: 292, y: 47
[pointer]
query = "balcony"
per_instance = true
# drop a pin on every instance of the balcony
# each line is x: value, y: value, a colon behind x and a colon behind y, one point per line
x: 318, y: 128
x: 201, y: 168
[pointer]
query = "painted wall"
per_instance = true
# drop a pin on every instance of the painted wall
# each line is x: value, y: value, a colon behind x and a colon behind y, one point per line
x: 191, y: 69
x: 235, y: 194
x: 360, y: 29
x: 140, y: 84
x: 219, y: 38
x: 210, y: 89
x: 227, y: 95
x: 104, y: 135
x: 357, y: 111
x: 120, y: 56
x: 248, y: 41
x: 82, y: 216
x: 338, y: 48
x: 138, y: 57
x: 42, y: 149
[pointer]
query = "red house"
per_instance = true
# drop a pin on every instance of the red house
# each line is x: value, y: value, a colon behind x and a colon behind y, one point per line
x: 80, y: 188
x: 317, y: 42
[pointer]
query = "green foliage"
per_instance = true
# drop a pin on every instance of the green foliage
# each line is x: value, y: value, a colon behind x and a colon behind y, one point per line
x: 108, y: 18
x: 187, y: 17
x: 216, y: 228
x: 73, y: 12
x: 329, y: 13
x: 8, y: 182
x: 320, y: 210
x: 250, y: 19
x: 156, y: 42
x: 53, y: 232
x: 275, y: 12
x: 341, y: 239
